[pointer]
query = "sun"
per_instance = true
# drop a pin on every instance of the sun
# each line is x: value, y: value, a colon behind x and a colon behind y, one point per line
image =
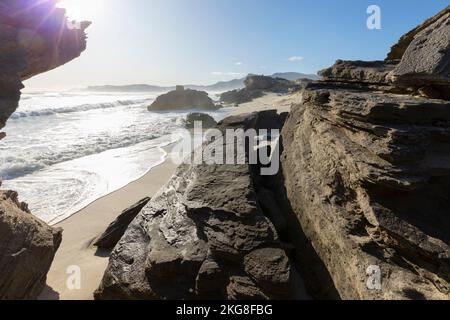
x: 82, y: 9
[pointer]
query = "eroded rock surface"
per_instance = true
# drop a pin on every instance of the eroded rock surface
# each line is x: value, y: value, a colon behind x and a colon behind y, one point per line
x: 27, y: 248
x: 426, y: 60
x: 367, y: 173
x: 204, y: 235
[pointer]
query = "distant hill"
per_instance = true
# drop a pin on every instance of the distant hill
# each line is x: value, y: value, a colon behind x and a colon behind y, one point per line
x: 129, y: 88
x: 219, y: 86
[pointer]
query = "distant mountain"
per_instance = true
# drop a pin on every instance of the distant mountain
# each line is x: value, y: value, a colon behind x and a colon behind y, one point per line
x: 129, y: 88
x: 292, y: 76
x: 218, y: 87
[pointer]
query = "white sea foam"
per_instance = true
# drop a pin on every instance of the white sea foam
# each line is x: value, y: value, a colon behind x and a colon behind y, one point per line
x: 80, y: 108
x: 64, y: 150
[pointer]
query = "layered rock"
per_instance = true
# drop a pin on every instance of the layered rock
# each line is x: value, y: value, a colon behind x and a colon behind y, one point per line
x: 367, y: 173
x: 204, y: 235
x: 27, y: 248
x: 255, y: 87
x: 34, y: 37
x: 418, y: 64
x: 183, y: 99
x: 426, y: 59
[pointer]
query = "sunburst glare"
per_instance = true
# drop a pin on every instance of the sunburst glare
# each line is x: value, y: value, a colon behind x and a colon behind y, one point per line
x: 82, y: 9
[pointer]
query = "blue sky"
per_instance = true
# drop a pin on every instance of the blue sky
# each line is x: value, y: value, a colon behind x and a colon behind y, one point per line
x: 204, y: 41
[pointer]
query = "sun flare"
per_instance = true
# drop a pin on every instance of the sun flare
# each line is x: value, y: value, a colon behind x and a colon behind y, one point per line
x: 82, y: 9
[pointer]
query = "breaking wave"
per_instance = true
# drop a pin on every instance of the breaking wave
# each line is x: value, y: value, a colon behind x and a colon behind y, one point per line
x: 79, y: 108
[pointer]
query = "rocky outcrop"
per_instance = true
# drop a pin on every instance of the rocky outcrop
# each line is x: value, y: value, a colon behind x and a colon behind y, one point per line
x: 418, y: 64
x: 117, y: 228
x: 183, y: 99
x: 367, y: 172
x: 240, y: 96
x: 27, y: 248
x: 364, y: 72
x: 255, y: 82
x: 399, y: 49
x: 206, y: 120
x: 35, y: 37
x: 255, y: 87
x: 426, y: 60
x: 205, y: 235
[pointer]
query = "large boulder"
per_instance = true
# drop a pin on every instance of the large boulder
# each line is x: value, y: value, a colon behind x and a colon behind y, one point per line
x: 117, y: 228
x: 183, y: 99
x: 27, y: 249
x: 204, y: 235
x: 205, y: 119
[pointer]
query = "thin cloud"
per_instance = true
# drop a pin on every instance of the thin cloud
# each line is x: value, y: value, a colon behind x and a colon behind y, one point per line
x: 239, y: 63
x: 295, y: 58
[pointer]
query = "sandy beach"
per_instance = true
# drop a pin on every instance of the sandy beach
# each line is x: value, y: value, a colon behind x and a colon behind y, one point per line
x: 83, y: 227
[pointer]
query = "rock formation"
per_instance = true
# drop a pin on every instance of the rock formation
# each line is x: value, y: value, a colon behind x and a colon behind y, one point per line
x: 418, y: 64
x: 366, y: 169
x: 424, y: 55
x: 183, y: 99
x: 205, y: 235
x: 255, y: 87
x: 206, y: 120
x: 27, y: 248
x: 34, y: 37
x: 117, y: 228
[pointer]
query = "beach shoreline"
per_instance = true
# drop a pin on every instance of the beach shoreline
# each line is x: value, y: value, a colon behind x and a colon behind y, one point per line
x: 76, y: 252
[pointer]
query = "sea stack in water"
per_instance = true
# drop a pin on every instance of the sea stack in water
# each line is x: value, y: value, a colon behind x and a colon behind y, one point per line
x: 182, y: 98
x: 366, y: 164
x: 35, y: 37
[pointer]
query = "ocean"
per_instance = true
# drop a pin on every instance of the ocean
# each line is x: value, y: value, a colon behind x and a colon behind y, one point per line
x: 63, y: 150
